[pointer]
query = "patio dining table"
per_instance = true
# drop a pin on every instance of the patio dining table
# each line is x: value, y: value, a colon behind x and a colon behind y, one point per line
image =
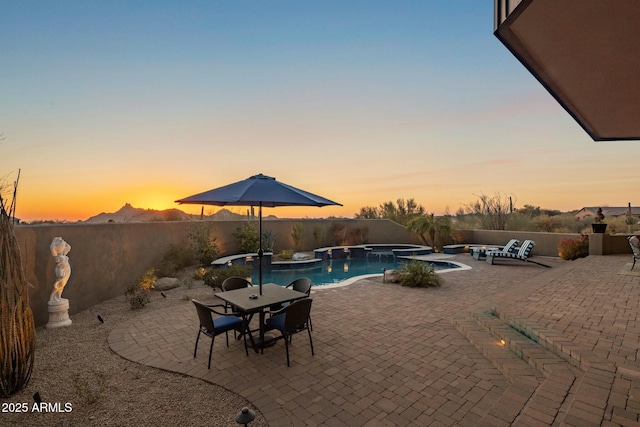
x: 248, y: 301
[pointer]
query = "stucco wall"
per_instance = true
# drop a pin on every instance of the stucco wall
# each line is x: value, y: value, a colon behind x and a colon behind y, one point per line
x: 107, y: 258
x: 546, y: 243
x: 607, y: 244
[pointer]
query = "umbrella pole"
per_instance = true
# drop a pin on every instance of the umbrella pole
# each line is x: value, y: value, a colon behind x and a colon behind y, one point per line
x: 260, y: 253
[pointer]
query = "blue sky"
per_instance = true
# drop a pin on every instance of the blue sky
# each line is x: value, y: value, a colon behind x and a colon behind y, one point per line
x: 362, y: 102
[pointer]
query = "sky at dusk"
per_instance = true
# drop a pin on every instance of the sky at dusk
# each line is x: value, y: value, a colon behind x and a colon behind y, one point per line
x: 146, y: 102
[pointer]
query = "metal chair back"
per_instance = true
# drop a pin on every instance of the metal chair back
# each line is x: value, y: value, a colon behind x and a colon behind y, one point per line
x: 235, y: 282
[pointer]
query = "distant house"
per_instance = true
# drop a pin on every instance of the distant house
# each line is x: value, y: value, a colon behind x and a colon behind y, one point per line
x: 607, y: 211
x: 12, y: 219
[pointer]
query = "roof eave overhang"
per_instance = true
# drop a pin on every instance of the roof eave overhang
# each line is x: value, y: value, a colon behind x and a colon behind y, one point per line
x: 586, y: 54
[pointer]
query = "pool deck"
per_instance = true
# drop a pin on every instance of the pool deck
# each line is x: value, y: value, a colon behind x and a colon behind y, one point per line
x: 392, y: 356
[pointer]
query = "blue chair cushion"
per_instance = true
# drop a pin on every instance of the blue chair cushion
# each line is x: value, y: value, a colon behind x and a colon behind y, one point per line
x: 276, y: 322
x: 226, y: 323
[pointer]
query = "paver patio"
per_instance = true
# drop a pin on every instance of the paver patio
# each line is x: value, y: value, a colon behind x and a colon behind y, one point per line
x: 393, y: 356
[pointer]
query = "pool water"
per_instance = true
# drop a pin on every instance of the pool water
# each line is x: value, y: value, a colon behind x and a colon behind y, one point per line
x: 335, y: 271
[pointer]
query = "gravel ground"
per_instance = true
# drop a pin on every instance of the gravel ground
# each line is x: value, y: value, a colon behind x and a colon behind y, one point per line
x: 92, y: 386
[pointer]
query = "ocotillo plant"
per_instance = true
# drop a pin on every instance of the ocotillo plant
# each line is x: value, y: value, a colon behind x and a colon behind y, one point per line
x: 17, y: 330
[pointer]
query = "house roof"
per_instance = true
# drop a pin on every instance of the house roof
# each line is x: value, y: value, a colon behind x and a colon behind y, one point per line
x: 610, y: 211
x: 585, y: 53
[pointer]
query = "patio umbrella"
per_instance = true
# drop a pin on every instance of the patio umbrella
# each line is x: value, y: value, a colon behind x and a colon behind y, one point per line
x: 258, y: 190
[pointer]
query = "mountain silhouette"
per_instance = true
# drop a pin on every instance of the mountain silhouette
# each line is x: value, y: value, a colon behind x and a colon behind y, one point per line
x: 128, y: 213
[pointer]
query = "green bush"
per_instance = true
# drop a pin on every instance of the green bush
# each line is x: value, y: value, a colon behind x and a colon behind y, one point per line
x: 216, y: 276
x: 419, y: 274
x: 571, y: 249
x: 203, y: 244
x: 248, y: 237
x: 138, y: 293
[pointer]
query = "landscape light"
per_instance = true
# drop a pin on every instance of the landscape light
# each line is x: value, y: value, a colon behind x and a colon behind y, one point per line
x: 245, y: 416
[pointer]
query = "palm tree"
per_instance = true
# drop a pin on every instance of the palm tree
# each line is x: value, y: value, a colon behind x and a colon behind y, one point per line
x: 430, y: 226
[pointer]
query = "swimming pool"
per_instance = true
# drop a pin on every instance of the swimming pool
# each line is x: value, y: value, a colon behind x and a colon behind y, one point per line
x: 331, y: 272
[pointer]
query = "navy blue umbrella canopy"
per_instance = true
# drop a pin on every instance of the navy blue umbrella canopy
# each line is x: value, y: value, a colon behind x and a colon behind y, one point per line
x: 258, y: 190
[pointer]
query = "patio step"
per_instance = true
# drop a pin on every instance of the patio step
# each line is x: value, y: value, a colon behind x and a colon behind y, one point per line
x: 543, y: 384
x: 601, y: 390
x: 552, y: 341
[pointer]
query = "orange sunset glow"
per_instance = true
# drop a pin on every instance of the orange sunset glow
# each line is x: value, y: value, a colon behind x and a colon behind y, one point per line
x: 387, y: 102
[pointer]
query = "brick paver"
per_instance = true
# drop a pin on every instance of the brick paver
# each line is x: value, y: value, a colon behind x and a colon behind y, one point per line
x: 392, y: 356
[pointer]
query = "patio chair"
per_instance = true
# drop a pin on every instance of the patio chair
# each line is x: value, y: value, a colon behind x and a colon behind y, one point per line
x: 302, y: 284
x: 522, y: 254
x: 213, y: 327
x: 634, y: 242
x: 290, y: 320
x: 233, y: 283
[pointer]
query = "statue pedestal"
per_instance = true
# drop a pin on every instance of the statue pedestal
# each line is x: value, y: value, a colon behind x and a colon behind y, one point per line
x: 58, y: 314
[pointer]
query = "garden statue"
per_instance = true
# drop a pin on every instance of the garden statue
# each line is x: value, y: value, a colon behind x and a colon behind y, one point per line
x: 59, y: 250
x: 58, y: 306
x: 598, y: 226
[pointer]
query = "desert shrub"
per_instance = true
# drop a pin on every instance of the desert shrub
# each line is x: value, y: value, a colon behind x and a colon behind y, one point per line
x: 458, y: 236
x: 491, y: 212
x: 318, y: 235
x: 297, y: 234
x: 90, y: 390
x: 203, y: 243
x: 138, y: 293
x: 175, y: 259
x: 248, y: 237
x: 465, y: 221
x: 548, y: 224
x: 216, y: 276
x: 286, y: 254
x: 199, y: 273
x: 402, y: 211
x: 418, y: 274
x: 568, y: 223
x: 357, y: 235
x: 338, y: 233
x: 171, y: 215
x: 620, y: 224
x: 571, y: 249
x: 269, y: 240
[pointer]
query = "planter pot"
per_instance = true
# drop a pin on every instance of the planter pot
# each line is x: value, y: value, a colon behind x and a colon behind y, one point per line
x: 599, y: 228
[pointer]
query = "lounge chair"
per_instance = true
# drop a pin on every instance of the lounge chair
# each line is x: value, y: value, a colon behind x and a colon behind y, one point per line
x: 479, y: 252
x: 522, y: 254
x: 634, y: 242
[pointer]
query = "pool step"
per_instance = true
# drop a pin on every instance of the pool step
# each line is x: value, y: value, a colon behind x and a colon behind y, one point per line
x: 543, y: 384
